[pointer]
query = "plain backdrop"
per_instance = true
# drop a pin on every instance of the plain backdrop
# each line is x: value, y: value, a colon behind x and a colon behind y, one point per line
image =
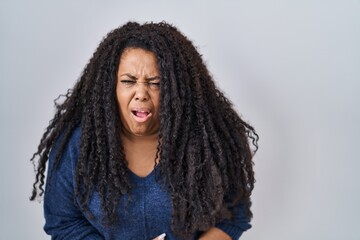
x: 291, y: 68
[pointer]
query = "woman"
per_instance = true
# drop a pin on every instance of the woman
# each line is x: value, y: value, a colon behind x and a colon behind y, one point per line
x: 146, y: 145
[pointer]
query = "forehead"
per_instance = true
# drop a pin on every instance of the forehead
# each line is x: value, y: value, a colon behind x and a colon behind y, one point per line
x: 138, y: 60
x: 137, y: 55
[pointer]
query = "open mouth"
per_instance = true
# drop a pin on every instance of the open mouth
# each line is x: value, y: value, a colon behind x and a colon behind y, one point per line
x: 140, y: 114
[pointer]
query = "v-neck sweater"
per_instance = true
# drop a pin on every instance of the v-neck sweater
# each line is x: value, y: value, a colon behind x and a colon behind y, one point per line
x: 143, y: 216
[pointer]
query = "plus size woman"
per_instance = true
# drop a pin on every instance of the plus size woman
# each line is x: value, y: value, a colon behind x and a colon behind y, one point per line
x: 145, y: 146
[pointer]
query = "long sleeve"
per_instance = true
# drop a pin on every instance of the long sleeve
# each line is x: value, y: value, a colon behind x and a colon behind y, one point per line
x: 64, y: 220
x: 237, y: 225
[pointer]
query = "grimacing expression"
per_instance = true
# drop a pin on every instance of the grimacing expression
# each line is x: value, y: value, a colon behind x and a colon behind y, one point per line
x: 138, y: 92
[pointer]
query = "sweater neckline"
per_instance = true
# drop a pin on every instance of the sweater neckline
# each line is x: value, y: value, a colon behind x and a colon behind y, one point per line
x: 137, y: 178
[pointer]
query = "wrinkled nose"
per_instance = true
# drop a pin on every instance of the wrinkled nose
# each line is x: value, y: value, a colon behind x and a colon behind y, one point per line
x: 142, y: 92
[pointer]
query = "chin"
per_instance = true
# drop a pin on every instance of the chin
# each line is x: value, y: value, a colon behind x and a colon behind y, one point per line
x: 140, y: 132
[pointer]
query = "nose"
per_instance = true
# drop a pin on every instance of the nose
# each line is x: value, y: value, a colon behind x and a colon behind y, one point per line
x: 141, y: 92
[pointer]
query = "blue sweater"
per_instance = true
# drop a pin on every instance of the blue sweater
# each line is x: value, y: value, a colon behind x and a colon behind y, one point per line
x: 145, y: 216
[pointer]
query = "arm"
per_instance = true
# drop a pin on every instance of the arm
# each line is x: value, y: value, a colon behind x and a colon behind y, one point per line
x: 229, y: 228
x: 214, y: 234
x: 63, y: 219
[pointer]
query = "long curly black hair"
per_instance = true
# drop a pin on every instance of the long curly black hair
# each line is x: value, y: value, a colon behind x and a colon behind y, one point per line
x: 206, y: 149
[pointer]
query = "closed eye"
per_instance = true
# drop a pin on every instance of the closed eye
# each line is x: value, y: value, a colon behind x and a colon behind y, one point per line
x: 128, y: 82
x: 154, y: 84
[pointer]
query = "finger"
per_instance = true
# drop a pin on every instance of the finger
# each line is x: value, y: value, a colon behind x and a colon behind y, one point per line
x: 160, y: 237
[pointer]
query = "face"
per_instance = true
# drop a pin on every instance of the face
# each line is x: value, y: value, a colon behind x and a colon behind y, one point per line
x: 138, y: 92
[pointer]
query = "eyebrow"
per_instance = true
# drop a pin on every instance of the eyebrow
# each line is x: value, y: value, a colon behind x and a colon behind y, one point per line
x: 134, y: 78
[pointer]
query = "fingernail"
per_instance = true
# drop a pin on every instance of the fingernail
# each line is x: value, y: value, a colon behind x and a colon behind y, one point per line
x: 162, y: 236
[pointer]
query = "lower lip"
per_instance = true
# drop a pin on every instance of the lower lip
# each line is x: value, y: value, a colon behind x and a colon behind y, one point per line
x: 141, y: 119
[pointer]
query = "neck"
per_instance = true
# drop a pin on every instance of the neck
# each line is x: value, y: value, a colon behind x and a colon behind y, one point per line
x: 132, y: 139
x: 140, y: 152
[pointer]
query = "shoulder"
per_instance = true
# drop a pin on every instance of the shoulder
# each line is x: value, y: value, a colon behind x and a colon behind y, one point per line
x: 76, y: 133
x: 67, y: 151
x: 62, y: 164
x: 75, y: 136
x: 72, y: 142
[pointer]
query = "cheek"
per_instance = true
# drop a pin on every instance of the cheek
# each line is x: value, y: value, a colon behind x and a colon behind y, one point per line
x: 156, y: 100
x: 122, y: 106
x: 123, y: 100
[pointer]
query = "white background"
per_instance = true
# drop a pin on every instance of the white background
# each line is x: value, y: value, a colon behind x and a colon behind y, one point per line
x: 291, y: 68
